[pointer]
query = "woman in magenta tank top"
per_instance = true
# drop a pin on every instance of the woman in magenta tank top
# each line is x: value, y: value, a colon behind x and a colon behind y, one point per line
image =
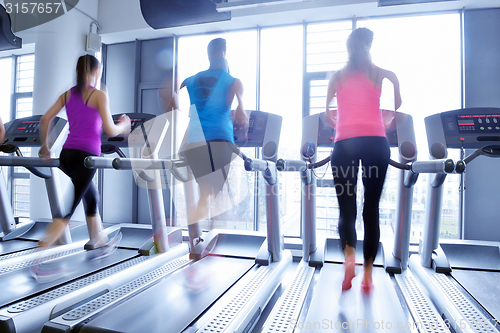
x: 359, y: 137
x: 88, y: 113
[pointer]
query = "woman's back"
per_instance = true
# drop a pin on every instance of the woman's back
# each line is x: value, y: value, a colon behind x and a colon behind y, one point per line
x: 358, y: 101
x: 85, y: 123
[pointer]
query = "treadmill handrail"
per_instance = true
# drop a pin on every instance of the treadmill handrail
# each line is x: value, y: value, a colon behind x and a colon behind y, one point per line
x: 29, y: 162
x: 97, y: 162
x: 144, y: 163
x: 141, y: 164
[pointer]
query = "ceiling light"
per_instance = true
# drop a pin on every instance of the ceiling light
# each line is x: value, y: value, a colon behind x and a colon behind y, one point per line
x: 246, y: 4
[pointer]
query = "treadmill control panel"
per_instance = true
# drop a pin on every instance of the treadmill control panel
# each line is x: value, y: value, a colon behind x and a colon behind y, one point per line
x: 256, y: 130
x: 474, y: 123
x: 136, y: 120
x: 470, y: 128
x: 27, y: 127
x: 25, y: 132
x: 326, y: 134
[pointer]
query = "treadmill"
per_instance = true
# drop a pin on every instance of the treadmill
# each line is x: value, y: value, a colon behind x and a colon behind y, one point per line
x: 22, y: 239
x: 147, y: 140
x: 229, y: 280
x: 314, y: 300
x: 26, y: 305
x: 463, y: 276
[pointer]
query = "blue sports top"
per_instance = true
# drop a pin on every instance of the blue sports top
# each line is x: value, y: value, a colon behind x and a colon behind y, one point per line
x: 210, y: 112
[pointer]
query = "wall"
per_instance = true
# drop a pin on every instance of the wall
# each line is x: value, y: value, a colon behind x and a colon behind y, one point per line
x: 482, y: 89
x: 118, y: 186
x: 139, y: 79
x: 58, y: 44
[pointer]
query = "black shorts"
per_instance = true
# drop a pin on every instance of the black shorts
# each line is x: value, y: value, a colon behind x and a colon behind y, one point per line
x: 210, y: 162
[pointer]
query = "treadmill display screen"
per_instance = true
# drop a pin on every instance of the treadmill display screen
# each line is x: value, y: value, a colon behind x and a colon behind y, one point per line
x: 28, y: 127
x: 476, y: 123
x: 134, y: 122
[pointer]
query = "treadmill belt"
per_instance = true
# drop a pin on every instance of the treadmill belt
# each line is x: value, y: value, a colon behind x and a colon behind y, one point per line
x: 483, y: 286
x: 331, y: 310
x: 176, y: 301
x: 9, y: 247
x: 20, y: 284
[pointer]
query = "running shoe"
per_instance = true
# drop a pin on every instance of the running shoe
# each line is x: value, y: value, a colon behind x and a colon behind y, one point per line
x: 107, y: 249
x: 45, y: 272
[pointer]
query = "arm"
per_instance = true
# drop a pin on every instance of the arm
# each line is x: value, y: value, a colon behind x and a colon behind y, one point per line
x: 240, y: 115
x: 331, y: 113
x: 45, y: 123
x: 112, y: 129
x: 174, y: 101
x: 397, y: 93
x: 2, y: 131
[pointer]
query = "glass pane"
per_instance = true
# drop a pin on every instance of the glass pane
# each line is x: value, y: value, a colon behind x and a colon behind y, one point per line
x: 26, y: 152
x: 238, y: 193
x: 24, y: 107
x: 424, y: 52
x: 21, y: 197
x: 281, y: 93
x: 25, y: 73
x: 317, y: 96
x: 326, y: 49
x: 5, y: 88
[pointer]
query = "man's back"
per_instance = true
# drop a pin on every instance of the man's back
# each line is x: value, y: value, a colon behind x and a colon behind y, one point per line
x: 210, y: 93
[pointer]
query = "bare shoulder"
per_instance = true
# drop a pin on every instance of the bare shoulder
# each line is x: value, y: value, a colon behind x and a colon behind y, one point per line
x: 337, y: 75
x: 100, y: 93
x: 65, y: 96
x: 335, y: 78
x: 238, y: 83
x: 97, y: 98
x: 388, y: 74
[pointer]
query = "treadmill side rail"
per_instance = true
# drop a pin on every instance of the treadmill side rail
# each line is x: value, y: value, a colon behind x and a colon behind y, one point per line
x: 244, y: 304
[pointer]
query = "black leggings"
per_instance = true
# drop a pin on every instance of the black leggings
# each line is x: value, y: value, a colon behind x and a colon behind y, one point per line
x: 374, y: 154
x: 71, y: 163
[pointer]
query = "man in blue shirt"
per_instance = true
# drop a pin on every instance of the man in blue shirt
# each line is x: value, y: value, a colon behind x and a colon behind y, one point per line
x: 210, y: 140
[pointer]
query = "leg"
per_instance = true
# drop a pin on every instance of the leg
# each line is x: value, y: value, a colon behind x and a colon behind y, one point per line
x: 345, y: 171
x: 81, y: 177
x: 94, y: 223
x: 53, y: 232
x: 201, y: 210
x: 375, y: 165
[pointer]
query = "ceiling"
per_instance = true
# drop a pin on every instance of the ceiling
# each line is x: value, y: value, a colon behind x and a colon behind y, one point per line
x: 122, y: 21
x: 120, y: 28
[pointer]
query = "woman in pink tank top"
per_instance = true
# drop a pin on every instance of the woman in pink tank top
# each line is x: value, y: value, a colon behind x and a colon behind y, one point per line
x: 88, y: 112
x: 359, y: 137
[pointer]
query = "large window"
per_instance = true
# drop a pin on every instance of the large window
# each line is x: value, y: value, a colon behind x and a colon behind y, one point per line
x: 237, y: 197
x: 281, y: 62
x: 5, y: 98
x: 17, y: 103
x: 23, y: 97
x: 425, y: 54
x: 326, y: 52
x: 276, y: 87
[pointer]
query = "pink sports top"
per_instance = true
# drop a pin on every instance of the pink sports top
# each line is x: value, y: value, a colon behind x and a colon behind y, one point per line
x: 359, y: 111
x: 85, y: 125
